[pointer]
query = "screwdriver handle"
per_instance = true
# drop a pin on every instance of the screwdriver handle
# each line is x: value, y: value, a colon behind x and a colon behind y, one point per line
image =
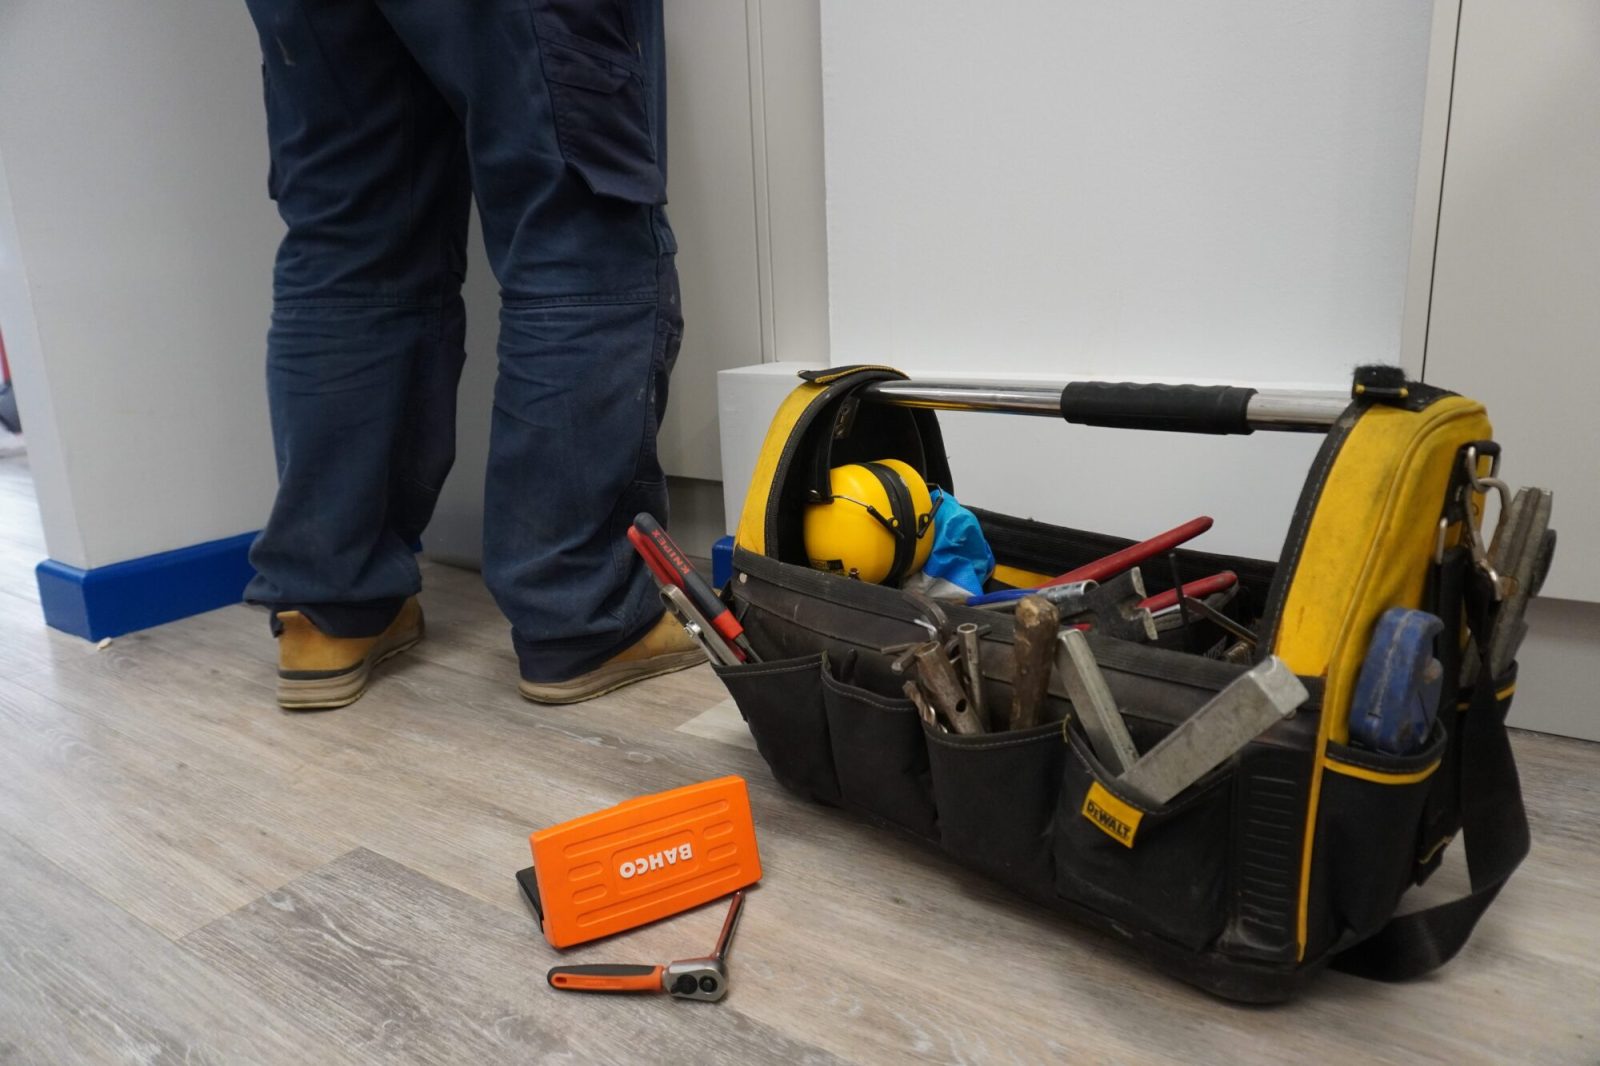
x: 694, y: 586
x: 606, y: 977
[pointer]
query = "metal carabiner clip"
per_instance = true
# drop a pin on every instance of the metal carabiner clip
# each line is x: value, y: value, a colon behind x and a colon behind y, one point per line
x: 1480, y: 551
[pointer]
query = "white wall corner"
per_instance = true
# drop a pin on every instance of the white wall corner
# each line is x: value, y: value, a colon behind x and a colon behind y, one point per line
x: 1431, y: 153
x: 62, y: 537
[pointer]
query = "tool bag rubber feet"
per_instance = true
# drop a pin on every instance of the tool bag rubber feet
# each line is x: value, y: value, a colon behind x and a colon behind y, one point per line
x: 317, y: 672
x: 667, y: 647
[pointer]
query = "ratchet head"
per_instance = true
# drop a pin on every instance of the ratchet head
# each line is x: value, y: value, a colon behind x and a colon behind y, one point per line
x: 706, y: 978
x: 703, y: 979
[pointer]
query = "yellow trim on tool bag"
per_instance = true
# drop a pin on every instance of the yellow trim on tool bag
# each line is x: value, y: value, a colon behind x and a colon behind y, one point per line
x: 752, y: 532
x: 1019, y: 578
x: 1367, y: 548
x: 1427, y: 856
x: 1113, y: 817
x: 1500, y: 697
x: 853, y: 368
x: 1378, y: 776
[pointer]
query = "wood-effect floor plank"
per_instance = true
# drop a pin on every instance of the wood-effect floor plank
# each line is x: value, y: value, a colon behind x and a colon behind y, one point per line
x: 447, y: 771
x: 168, y: 839
x: 80, y: 982
x: 377, y: 958
x: 144, y: 770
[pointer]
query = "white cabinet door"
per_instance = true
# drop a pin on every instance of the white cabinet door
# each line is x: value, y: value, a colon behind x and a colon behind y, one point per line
x: 1515, y: 318
x: 712, y: 203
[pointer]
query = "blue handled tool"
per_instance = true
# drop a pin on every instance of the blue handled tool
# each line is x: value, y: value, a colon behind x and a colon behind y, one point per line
x: 1397, y: 694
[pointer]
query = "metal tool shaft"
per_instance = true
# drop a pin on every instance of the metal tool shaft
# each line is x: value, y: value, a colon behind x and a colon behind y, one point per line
x: 698, y: 627
x: 972, y: 670
x: 729, y: 924
x: 1269, y: 409
x: 1230, y: 720
x: 1093, y: 704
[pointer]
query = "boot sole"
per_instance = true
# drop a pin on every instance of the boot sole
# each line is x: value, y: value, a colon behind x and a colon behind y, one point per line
x: 609, y: 678
x: 341, y: 690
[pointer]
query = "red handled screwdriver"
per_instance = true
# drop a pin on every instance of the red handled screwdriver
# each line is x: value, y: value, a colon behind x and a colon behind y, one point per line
x: 669, y: 564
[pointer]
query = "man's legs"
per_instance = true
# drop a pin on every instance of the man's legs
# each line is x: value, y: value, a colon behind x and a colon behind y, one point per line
x: 366, y: 343
x: 563, y: 114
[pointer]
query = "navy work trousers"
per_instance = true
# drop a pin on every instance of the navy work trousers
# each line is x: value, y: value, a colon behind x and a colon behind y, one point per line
x: 384, y: 118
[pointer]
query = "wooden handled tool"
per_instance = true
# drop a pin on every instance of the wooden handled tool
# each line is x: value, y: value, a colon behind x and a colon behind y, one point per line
x: 1033, y: 644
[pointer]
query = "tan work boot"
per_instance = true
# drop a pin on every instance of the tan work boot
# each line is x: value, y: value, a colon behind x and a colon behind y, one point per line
x: 317, y: 672
x: 667, y: 647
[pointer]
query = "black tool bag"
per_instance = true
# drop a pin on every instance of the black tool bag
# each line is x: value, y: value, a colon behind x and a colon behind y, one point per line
x: 1290, y: 856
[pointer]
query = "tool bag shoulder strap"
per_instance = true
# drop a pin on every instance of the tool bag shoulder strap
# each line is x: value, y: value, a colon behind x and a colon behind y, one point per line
x: 1495, y: 825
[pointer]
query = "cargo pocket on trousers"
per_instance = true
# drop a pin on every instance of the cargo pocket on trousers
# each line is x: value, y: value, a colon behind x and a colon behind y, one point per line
x: 880, y: 756
x: 598, y: 99
x: 1162, y: 869
x: 1369, y: 828
x: 782, y: 703
x: 996, y: 797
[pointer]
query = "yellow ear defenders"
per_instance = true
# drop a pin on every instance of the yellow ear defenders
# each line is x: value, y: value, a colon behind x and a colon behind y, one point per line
x: 875, y: 525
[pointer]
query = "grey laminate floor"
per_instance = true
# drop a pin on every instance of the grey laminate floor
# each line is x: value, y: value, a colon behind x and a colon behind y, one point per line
x: 189, y: 874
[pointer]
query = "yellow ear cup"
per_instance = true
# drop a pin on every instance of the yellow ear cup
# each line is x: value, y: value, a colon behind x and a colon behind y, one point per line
x: 877, y: 524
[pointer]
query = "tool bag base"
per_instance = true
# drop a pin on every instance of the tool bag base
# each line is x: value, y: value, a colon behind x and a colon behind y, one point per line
x: 1291, y: 856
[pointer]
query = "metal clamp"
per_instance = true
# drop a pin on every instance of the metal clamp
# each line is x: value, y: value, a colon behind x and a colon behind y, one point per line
x: 1475, y: 483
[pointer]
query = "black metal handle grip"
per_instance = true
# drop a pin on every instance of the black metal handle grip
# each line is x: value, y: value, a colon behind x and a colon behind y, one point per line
x: 606, y: 977
x: 1180, y: 408
x: 606, y: 969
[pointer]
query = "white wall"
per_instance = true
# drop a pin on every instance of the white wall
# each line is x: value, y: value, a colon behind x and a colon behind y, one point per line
x: 136, y: 279
x: 56, y: 511
x: 1052, y: 190
x: 1513, y: 317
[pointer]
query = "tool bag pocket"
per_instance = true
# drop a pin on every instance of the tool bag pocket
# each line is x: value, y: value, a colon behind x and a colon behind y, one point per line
x: 782, y: 703
x: 1162, y: 869
x: 996, y: 795
x: 598, y: 99
x: 880, y: 757
x: 1368, y: 844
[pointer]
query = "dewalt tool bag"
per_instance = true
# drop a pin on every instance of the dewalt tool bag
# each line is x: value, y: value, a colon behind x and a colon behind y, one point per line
x: 1291, y: 855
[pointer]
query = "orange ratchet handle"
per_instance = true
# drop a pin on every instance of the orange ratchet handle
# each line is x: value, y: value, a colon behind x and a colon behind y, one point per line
x: 603, y: 977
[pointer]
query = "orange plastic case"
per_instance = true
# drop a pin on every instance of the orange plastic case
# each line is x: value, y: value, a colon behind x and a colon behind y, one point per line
x: 641, y: 860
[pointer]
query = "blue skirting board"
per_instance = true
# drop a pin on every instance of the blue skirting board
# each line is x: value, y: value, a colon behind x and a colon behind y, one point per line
x: 108, y: 601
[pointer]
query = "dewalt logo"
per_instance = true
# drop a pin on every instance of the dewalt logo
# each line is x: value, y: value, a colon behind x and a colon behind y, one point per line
x: 1114, y: 818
